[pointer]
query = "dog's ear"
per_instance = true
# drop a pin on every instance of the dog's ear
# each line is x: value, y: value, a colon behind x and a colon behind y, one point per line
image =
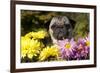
x: 46, y: 25
x: 73, y: 23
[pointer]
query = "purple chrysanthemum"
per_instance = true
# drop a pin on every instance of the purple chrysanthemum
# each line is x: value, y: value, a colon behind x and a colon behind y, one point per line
x: 67, y: 48
x: 75, y: 50
x: 82, y: 49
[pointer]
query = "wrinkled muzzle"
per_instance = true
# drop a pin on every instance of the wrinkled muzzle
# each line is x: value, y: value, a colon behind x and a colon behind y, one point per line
x: 60, y: 34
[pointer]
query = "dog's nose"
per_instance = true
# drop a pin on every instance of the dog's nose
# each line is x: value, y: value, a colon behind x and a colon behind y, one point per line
x: 60, y: 36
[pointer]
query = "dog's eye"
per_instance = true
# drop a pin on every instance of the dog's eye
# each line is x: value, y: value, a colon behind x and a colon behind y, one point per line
x: 67, y: 26
x: 53, y: 26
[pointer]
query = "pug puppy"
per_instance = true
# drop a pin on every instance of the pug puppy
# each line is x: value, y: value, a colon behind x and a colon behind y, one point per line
x: 60, y: 28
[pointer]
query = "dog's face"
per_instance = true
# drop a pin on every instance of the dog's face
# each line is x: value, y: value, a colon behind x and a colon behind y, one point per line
x: 61, y: 28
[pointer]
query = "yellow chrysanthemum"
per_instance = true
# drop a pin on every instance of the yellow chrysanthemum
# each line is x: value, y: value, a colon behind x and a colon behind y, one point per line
x: 37, y: 35
x: 49, y: 52
x: 41, y: 34
x: 24, y: 46
x: 29, y: 35
x: 30, y: 47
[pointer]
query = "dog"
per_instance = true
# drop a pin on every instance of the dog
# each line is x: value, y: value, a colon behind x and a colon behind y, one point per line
x: 60, y: 28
